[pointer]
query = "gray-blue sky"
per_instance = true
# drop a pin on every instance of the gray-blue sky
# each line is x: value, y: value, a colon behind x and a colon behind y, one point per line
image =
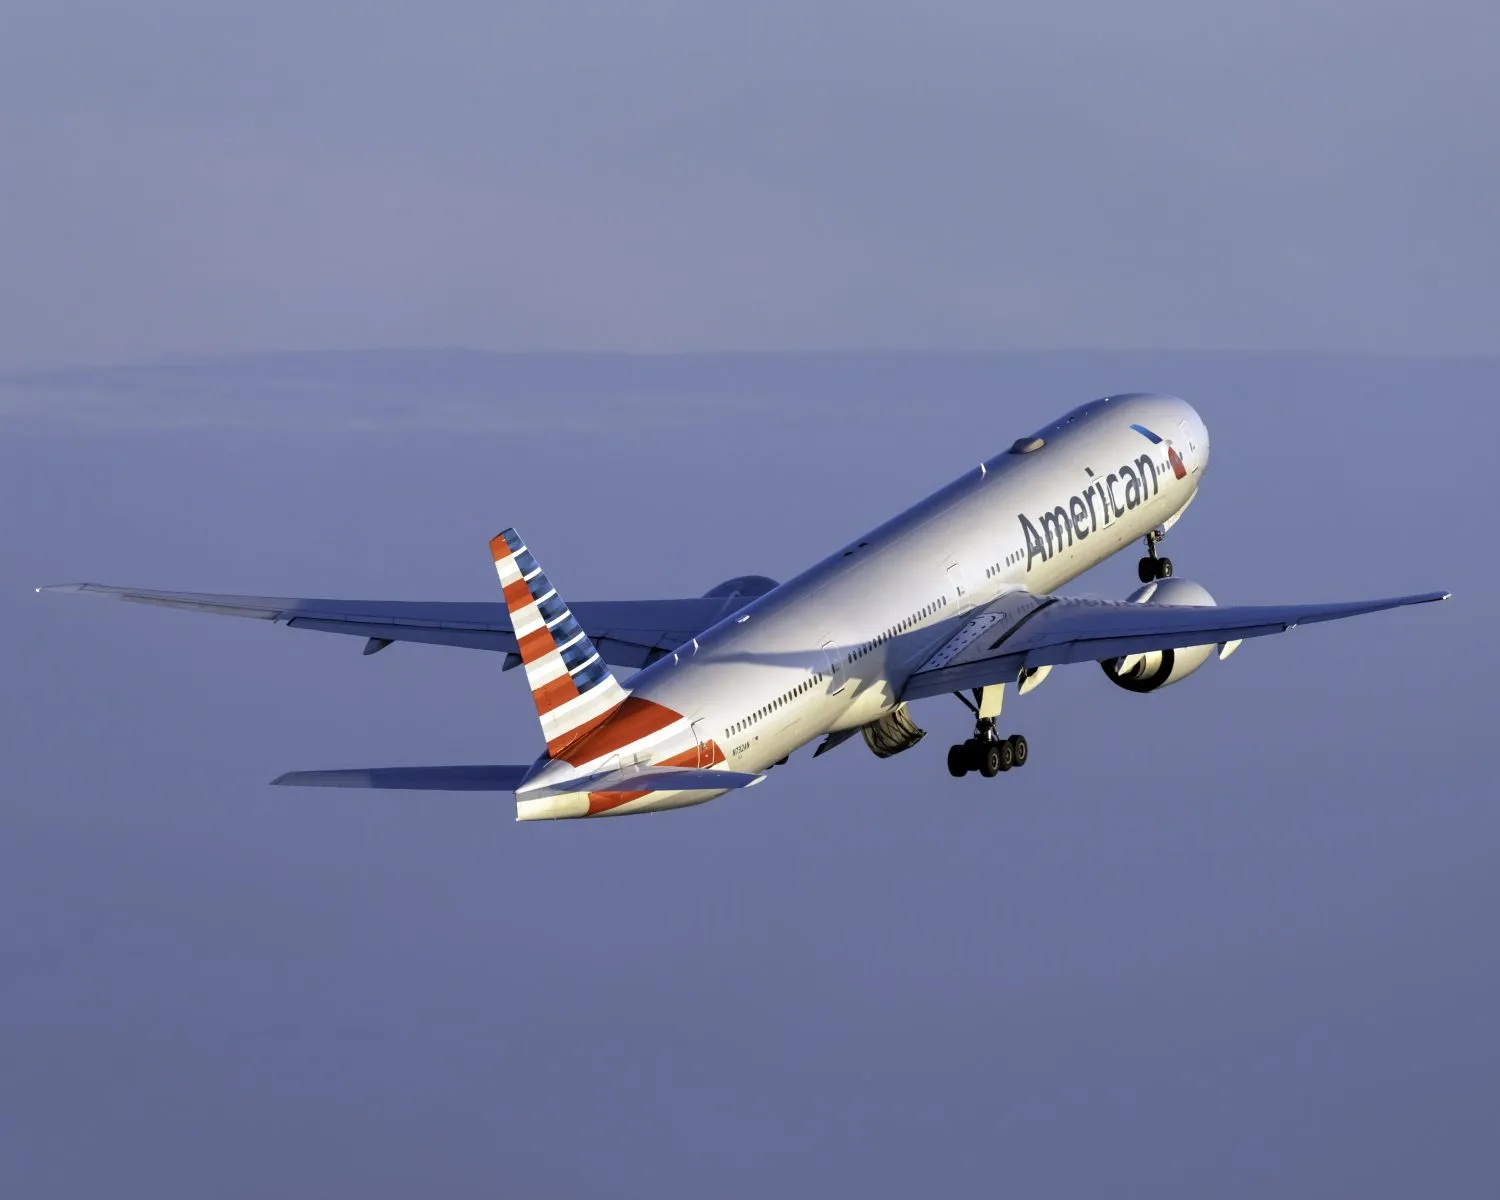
x: 180, y: 177
x: 1231, y: 939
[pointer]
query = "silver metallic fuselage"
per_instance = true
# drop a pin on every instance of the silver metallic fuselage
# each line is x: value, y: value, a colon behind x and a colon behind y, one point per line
x: 831, y: 648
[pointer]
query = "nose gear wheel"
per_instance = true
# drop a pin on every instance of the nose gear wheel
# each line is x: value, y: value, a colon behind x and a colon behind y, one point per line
x: 1151, y: 567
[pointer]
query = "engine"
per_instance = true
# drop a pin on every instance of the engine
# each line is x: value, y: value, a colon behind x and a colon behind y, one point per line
x: 1154, y: 669
x: 893, y: 733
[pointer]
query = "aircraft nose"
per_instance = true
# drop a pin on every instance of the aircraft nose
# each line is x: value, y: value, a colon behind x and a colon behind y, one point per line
x: 1201, y: 439
x: 1197, y: 436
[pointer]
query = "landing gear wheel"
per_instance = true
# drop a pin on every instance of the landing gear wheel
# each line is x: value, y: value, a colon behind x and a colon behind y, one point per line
x: 1152, y: 568
x: 986, y: 752
x: 989, y: 763
x: 974, y: 748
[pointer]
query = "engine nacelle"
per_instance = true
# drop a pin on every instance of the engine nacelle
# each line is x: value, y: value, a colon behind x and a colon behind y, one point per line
x: 893, y: 733
x: 1154, y: 669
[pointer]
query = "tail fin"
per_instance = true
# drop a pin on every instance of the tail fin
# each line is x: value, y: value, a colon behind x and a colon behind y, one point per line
x: 573, y: 689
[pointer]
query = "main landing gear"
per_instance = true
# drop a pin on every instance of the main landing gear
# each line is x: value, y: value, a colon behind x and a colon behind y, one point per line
x: 1151, y: 567
x: 986, y: 752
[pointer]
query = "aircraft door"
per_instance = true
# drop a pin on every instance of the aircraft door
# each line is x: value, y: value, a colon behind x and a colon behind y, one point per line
x: 956, y: 582
x: 704, y: 741
x: 1191, y: 454
x: 834, y: 668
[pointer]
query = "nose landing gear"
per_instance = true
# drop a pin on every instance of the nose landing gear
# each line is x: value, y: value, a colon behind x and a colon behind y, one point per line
x: 1151, y: 567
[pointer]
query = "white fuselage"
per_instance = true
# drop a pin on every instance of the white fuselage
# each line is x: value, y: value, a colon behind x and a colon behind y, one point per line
x: 832, y: 648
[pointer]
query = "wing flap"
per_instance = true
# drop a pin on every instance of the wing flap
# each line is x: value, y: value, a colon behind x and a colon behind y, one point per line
x: 427, y: 633
x: 994, y: 646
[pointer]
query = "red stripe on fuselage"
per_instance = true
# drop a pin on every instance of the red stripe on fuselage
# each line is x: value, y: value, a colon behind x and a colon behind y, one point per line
x: 632, y: 720
x: 696, y: 756
x: 559, y: 744
x: 601, y: 802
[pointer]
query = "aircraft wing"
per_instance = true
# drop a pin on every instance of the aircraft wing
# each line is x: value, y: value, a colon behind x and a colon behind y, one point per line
x: 1018, y: 631
x: 627, y: 633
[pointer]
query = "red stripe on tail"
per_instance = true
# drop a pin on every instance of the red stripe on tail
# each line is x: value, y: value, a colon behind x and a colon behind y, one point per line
x: 554, y: 693
x: 535, y: 644
x: 517, y: 595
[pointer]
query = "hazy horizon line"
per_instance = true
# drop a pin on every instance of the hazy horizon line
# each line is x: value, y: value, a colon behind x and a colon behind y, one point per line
x: 27, y: 374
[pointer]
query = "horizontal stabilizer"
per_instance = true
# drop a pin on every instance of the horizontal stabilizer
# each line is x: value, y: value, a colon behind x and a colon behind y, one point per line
x: 650, y: 779
x: 420, y: 779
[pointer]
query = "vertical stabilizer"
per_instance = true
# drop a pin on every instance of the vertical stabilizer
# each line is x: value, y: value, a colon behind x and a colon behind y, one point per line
x: 573, y: 688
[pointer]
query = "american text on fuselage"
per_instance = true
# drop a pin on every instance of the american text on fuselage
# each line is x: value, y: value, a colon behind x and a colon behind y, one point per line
x: 1084, y: 511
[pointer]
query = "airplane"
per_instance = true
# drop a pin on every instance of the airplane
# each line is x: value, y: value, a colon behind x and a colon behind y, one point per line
x: 954, y: 596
